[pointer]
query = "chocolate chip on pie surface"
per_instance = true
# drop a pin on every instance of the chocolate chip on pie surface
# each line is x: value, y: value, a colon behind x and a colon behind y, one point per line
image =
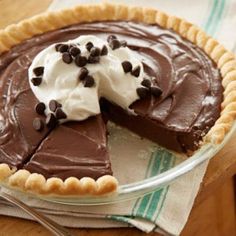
x: 156, y: 91
x: 38, y: 124
x: 40, y: 108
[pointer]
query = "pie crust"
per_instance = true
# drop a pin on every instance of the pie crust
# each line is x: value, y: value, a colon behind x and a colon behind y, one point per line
x: 16, y: 33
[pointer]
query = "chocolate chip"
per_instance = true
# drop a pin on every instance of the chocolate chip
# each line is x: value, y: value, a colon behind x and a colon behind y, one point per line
x: 66, y: 57
x: 111, y: 37
x: 142, y: 92
x: 127, y: 66
x: 36, y: 81
x: 40, y: 108
x: 63, y: 48
x: 136, y: 71
x: 53, y: 105
x: 89, y: 81
x: 156, y: 91
x: 57, y: 46
x: 104, y: 50
x: 95, y: 51
x: 83, y: 73
x: 92, y: 59
x: 80, y: 61
x: 38, y: 124
x: 38, y: 70
x: 123, y: 43
x: 51, y: 120
x: 74, y: 51
x: 114, y: 44
x: 89, y: 45
x: 60, y: 114
x: 146, y: 83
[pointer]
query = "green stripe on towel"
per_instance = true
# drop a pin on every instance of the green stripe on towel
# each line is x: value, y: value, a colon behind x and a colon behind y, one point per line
x: 211, y: 17
x: 148, y: 171
x: 158, y: 196
x: 155, y: 169
x: 215, y: 17
x: 147, y: 206
x: 218, y: 18
x: 224, y: 10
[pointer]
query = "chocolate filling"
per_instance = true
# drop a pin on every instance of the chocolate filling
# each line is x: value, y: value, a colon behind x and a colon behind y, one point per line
x: 186, y: 80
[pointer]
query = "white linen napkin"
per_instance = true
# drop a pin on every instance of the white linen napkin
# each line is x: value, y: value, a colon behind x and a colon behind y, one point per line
x: 167, y: 209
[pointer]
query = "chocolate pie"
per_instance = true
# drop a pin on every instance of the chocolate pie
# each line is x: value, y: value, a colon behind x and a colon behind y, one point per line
x: 65, y: 74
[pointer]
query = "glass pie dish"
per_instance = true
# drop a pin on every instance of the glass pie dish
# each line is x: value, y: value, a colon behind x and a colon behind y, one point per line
x: 128, y: 191
x: 75, y: 188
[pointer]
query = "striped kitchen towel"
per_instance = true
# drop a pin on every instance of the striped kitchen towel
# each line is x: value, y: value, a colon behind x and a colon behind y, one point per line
x: 167, y: 209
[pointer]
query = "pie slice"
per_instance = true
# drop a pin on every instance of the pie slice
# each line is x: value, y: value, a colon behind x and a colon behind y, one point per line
x: 77, y: 149
x: 182, y: 93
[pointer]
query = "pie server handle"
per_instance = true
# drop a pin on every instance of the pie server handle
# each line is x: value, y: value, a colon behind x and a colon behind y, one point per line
x: 52, y: 226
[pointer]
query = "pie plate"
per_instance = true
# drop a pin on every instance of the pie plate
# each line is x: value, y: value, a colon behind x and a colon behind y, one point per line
x: 128, y: 164
x: 128, y: 191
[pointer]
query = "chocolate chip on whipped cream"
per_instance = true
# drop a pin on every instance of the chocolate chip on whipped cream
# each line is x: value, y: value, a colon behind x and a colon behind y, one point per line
x: 83, y: 73
x: 89, y: 45
x: 104, y: 50
x: 123, y: 43
x: 53, y: 105
x: 89, y: 81
x: 146, y: 83
x: 63, y: 48
x: 36, y: 81
x: 74, y: 51
x: 111, y: 37
x: 51, y: 120
x: 81, y: 61
x: 93, y: 60
x: 57, y: 46
x: 38, y: 71
x: 114, y: 44
x: 95, y: 51
x: 66, y: 57
x: 136, y: 71
x: 142, y: 92
x: 127, y: 66
x: 60, y: 114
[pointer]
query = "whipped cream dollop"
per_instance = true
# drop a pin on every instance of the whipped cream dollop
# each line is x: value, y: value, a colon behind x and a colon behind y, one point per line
x: 60, y: 81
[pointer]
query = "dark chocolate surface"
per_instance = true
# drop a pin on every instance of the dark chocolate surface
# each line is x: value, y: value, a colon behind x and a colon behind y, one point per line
x: 75, y: 149
x: 187, y: 108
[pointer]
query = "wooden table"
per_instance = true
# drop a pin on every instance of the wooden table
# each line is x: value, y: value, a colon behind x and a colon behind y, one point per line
x: 213, y: 212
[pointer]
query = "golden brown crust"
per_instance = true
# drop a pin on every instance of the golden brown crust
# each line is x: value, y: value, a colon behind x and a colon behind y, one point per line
x: 225, y: 61
x: 72, y: 186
